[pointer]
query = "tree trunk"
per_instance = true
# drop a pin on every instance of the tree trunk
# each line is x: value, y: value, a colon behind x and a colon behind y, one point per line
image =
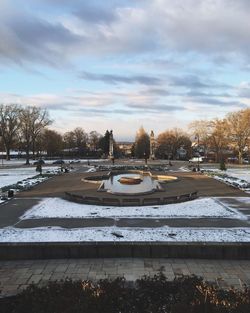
x: 217, y: 156
x: 27, y: 156
x: 33, y: 149
x: 7, y: 154
x: 240, y: 156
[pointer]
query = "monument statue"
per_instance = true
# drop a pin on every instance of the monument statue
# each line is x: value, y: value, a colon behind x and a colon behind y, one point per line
x: 152, y: 145
x: 111, y: 145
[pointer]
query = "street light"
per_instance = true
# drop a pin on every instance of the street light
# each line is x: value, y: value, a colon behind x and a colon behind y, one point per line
x: 1, y: 136
x: 145, y: 157
x: 198, y: 143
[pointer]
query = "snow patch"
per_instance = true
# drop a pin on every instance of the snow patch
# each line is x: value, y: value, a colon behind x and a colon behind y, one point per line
x: 109, y: 234
x: 238, y: 178
x: 199, y: 208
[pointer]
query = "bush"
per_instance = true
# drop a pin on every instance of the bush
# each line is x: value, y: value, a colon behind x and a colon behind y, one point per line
x: 189, y: 294
x: 223, y: 165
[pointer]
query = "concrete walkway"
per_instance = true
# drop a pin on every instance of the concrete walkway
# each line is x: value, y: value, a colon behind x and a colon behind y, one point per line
x: 17, y: 275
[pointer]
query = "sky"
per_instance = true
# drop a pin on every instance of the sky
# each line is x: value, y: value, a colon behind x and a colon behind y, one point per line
x: 124, y: 64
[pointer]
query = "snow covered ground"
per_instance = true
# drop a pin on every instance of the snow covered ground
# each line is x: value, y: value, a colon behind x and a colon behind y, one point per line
x: 200, y: 208
x: 240, y: 173
x: 20, y: 162
x: 115, y: 234
x: 237, y: 177
x: 11, y: 176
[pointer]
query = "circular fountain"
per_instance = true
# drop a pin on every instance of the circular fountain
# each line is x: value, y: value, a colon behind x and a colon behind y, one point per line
x: 128, y: 188
x: 130, y: 182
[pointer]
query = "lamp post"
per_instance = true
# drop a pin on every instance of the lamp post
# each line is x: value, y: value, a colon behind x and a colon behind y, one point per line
x: 145, y: 157
x: 1, y: 136
x: 198, y: 143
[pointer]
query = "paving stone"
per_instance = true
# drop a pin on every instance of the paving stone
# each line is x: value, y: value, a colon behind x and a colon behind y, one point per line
x: 61, y: 268
x: 35, y: 279
x: 14, y: 276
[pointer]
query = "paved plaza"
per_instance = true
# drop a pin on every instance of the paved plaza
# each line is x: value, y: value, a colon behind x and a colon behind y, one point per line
x: 188, y: 182
x: 17, y: 275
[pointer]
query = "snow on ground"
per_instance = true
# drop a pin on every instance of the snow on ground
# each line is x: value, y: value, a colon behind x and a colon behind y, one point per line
x: 91, y: 170
x: 19, y: 162
x: 240, y: 173
x: 200, y: 208
x: 115, y: 234
x: 237, y: 177
x: 245, y: 200
x: 11, y: 176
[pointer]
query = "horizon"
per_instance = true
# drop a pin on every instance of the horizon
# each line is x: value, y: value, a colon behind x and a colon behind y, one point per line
x: 125, y: 64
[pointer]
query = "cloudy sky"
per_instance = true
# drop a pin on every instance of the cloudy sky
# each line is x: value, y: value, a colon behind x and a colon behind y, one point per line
x: 120, y: 64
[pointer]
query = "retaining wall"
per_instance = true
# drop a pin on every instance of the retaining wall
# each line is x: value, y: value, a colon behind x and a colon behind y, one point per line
x: 18, y: 251
x: 129, y: 201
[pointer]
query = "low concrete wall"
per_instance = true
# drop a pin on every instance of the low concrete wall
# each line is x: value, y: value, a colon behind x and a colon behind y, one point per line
x: 132, y: 201
x: 18, y: 251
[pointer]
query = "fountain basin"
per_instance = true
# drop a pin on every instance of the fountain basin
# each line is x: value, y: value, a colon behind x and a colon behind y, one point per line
x: 130, y: 182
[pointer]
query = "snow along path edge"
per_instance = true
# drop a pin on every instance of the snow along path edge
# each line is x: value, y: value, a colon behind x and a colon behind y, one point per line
x: 116, y: 234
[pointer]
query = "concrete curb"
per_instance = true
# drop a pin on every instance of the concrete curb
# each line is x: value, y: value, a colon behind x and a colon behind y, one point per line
x: 59, y: 250
x: 129, y: 201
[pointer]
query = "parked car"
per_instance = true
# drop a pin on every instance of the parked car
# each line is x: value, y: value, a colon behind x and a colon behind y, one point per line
x: 196, y: 160
x: 75, y: 161
x: 39, y: 162
x: 60, y: 162
x: 245, y: 161
x: 232, y: 160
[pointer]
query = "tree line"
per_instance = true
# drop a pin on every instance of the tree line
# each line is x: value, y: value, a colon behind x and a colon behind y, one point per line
x: 168, y: 144
x: 216, y: 138
x: 231, y: 133
x: 27, y: 129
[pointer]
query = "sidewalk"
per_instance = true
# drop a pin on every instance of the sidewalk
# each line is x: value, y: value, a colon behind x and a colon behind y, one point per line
x: 17, y: 275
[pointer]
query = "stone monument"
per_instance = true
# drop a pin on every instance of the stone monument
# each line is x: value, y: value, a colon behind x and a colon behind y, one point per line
x: 152, y: 145
x: 111, y: 145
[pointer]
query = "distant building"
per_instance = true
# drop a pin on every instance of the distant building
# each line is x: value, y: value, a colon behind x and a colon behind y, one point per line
x: 125, y: 147
x: 181, y: 153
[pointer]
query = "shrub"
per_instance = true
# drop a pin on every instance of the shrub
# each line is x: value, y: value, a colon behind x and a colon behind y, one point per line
x: 223, y: 165
x: 189, y: 294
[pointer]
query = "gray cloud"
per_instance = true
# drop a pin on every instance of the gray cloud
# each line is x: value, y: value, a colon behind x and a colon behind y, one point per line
x: 195, y: 82
x: 206, y: 27
x: 95, y: 13
x: 115, y: 79
x: 216, y: 102
x: 156, y: 107
x: 24, y: 38
x: 190, y: 81
x: 198, y: 93
x: 244, y: 91
x: 158, y: 92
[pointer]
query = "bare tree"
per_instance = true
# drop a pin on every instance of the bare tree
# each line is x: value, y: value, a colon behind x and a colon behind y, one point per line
x: 32, y: 121
x: 76, y: 140
x: 142, y: 144
x: 80, y: 139
x: 202, y: 129
x: 94, y: 138
x: 51, y: 142
x: 238, y: 126
x: 9, y: 124
x: 218, y: 138
x: 170, y: 141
